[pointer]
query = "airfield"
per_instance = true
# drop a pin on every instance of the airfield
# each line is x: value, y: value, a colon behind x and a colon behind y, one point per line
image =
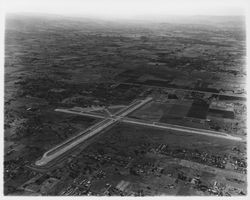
x: 106, y: 109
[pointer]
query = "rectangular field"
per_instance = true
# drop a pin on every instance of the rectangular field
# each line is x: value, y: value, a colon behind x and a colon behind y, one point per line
x: 198, y: 110
x: 163, y: 112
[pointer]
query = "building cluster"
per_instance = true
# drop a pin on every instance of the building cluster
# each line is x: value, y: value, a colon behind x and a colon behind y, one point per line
x: 41, y: 184
x: 192, y: 155
x: 79, y: 186
x: 222, y: 109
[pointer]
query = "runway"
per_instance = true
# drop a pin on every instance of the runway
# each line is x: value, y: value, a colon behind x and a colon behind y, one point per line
x: 88, y: 133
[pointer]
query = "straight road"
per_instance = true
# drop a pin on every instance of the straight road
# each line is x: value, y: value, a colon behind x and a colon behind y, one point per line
x: 182, y: 89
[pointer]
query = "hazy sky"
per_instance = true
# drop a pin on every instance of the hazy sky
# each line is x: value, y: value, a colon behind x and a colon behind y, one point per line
x: 128, y: 8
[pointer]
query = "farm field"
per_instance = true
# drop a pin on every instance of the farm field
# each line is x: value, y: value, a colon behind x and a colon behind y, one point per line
x: 194, y: 72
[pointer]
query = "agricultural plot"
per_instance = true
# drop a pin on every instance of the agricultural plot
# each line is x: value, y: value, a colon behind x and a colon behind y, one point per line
x: 163, y: 112
x: 192, y: 113
x: 152, y: 111
x: 221, y: 113
x: 178, y: 110
x: 56, y: 62
x: 198, y: 110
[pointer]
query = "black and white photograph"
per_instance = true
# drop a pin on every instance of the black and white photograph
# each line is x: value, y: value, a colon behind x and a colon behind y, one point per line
x: 134, y: 98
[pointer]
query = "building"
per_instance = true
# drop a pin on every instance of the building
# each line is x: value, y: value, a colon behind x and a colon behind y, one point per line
x: 221, y: 109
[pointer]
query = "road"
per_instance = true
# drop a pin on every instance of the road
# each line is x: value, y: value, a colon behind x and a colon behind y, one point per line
x: 88, y: 133
x: 242, y: 96
x: 182, y: 89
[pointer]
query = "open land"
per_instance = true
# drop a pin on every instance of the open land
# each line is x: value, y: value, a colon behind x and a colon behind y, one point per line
x: 194, y: 71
